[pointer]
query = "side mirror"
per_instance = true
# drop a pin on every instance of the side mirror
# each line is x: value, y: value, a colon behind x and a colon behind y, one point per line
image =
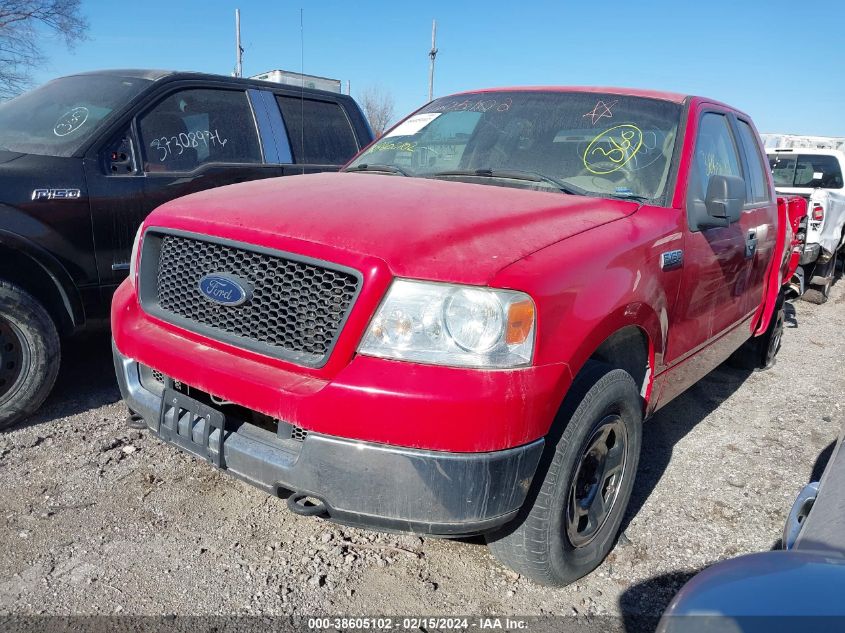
x: 725, y: 199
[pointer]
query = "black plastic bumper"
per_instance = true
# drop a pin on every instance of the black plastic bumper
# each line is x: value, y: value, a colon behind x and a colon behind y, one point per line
x: 360, y: 483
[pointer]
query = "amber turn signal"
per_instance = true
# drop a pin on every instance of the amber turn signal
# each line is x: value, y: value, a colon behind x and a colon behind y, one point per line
x: 520, y: 322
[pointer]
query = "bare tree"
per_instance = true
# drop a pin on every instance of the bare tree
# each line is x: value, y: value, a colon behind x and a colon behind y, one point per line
x: 22, y: 26
x: 378, y: 108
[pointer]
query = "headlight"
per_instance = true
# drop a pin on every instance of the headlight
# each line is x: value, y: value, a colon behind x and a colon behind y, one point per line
x: 133, y: 257
x: 447, y: 324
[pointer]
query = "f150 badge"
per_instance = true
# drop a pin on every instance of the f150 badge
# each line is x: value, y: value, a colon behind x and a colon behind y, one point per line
x: 224, y: 289
x: 56, y: 194
x: 671, y: 260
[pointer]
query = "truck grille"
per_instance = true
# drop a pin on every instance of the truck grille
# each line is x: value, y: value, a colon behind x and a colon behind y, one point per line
x: 297, y: 305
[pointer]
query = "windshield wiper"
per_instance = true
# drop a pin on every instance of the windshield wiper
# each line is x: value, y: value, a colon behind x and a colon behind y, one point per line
x: 629, y: 196
x: 512, y: 174
x: 390, y: 169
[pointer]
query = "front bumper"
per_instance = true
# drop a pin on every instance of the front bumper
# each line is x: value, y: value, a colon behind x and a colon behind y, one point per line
x: 360, y: 483
x: 382, y: 401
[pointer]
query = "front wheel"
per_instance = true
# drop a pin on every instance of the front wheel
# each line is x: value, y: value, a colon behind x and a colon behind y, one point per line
x: 583, y: 484
x: 29, y: 354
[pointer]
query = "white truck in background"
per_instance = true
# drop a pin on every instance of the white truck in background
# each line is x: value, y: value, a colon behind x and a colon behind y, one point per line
x: 813, y: 167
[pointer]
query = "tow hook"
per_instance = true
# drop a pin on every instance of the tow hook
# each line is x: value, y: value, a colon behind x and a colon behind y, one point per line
x: 307, y: 505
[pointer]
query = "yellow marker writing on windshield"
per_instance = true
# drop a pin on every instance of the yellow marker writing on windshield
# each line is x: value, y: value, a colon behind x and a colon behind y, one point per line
x: 613, y: 148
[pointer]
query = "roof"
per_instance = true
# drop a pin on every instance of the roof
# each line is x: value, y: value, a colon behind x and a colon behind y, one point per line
x: 157, y: 75
x: 135, y: 73
x: 674, y: 97
x: 819, y: 151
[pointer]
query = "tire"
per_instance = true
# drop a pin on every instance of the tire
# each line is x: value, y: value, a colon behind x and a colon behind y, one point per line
x: 29, y: 354
x: 546, y: 542
x: 817, y: 293
x: 760, y: 352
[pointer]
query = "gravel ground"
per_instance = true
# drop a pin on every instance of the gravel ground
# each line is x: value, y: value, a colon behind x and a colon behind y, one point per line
x: 98, y: 519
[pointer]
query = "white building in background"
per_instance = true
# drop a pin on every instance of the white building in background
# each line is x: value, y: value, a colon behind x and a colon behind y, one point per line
x: 772, y: 141
x: 298, y: 79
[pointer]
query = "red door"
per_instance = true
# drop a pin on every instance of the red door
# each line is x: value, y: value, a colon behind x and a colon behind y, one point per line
x: 717, y: 266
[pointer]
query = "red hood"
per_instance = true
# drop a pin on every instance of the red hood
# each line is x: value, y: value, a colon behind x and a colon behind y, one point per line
x: 421, y: 228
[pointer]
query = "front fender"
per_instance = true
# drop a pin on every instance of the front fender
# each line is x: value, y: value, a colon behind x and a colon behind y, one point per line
x: 594, y: 284
x: 57, y: 273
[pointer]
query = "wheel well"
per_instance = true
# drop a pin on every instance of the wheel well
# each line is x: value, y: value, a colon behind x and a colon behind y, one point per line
x: 23, y: 271
x: 628, y: 349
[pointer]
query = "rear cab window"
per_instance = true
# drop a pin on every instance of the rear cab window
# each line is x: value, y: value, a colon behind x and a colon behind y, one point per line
x: 196, y: 126
x: 319, y: 131
x: 808, y: 171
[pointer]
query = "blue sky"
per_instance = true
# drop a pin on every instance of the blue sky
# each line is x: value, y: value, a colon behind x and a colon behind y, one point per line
x: 769, y: 58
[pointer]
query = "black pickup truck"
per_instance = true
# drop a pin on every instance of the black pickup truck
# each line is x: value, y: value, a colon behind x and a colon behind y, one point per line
x: 83, y: 159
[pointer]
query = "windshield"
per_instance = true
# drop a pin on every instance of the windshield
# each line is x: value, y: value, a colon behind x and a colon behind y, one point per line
x: 596, y: 144
x: 807, y: 171
x: 57, y: 118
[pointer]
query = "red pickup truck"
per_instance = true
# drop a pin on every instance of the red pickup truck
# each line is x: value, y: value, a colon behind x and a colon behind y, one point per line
x: 463, y: 331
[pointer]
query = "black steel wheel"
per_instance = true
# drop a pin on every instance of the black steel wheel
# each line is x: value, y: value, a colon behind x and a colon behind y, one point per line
x: 595, y: 483
x: 14, y: 358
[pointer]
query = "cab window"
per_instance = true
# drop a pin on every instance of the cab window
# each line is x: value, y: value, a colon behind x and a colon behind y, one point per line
x: 757, y: 174
x: 319, y: 131
x: 715, y: 154
x: 193, y: 127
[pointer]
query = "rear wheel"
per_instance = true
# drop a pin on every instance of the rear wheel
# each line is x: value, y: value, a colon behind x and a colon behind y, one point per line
x: 29, y: 354
x: 760, y: 352
x: 583, y: 484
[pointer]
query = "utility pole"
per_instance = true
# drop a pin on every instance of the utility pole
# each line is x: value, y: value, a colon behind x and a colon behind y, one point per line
x: 432, y: 54
x: 239, y: 51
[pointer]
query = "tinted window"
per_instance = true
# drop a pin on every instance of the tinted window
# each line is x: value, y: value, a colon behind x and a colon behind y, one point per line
x: 197, y: 126
x: 806, y: 170
x: 757, y: 174
x: 319, y: 131
x: 601, y: 144
x: 59, y: 117
x: 715, y: 154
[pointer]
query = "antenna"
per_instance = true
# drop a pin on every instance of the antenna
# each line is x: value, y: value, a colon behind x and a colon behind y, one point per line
x: 432, y: 54
x: 302, y: 86
x: 239, y: 51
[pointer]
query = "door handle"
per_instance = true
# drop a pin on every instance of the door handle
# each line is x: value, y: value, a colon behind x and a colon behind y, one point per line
x: 750, y: 244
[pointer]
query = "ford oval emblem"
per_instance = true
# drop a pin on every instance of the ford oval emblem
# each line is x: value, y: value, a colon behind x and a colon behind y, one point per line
x: 227, y: 290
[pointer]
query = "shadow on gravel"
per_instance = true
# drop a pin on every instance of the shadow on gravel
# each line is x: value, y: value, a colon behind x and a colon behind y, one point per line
x: 821, y: 462
x: 86, y: 380
x: 672, y: 423
x: 642, y: 604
